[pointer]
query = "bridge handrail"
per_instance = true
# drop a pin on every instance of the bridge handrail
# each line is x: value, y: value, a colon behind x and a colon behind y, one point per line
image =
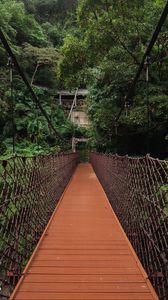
x: 138, y: 192
x: 30, y: 188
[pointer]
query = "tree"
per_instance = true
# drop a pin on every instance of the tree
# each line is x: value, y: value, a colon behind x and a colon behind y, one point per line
x: 41, y: 57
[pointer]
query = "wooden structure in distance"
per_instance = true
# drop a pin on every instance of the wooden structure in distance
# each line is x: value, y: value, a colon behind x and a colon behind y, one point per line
x: 74, y: 105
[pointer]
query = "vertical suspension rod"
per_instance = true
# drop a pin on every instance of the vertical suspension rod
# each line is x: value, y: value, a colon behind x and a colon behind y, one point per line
x: 10, y: 64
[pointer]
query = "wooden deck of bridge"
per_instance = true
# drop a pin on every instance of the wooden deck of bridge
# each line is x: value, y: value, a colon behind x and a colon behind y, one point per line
x: 84, y: 253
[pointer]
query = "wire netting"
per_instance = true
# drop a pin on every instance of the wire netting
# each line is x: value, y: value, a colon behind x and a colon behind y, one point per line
x: 29, y: 191
x: 137, y: 189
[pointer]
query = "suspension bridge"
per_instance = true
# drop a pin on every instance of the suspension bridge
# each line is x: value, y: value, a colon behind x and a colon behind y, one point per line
x: 85, y: 248
x: 93, y: 231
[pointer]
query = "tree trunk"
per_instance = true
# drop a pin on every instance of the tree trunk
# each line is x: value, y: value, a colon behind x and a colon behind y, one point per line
x: 34, y: 74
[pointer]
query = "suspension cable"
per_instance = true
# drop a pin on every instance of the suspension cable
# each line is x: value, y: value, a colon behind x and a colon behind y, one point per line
x: 21, y: 73
x: 146, y: 55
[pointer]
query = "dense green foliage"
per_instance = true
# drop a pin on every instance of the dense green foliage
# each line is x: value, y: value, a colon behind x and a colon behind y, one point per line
x: 35, y: 30
x: 96, y: 44
x: 104, y: 53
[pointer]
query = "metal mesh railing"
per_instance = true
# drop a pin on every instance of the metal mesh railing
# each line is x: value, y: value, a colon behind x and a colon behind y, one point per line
x: 137, y: 189
x: 30, y: 189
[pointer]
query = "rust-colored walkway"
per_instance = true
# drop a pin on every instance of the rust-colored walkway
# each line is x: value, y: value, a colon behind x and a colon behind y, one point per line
x: 84, y: 253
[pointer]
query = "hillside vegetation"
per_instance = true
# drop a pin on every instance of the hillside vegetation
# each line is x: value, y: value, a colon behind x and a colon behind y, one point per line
x: 95, y: 44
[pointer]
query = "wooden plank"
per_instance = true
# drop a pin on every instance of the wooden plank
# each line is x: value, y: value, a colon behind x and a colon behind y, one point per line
x: 85, y: 287
x: 83, y: 278
x: 78, y: 257
x: 91, y: 242
x: 51, y: 246
x: 89, y: 264
x: 83, y: 296
x: 94, y: 252
x: 82, y: 271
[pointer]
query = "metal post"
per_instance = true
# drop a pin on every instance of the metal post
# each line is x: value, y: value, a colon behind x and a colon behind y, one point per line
x: 60, y: 99
x: 147, y: 63
x: 10, y: 64
x: 73, y: 104
x: 73, y: 144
